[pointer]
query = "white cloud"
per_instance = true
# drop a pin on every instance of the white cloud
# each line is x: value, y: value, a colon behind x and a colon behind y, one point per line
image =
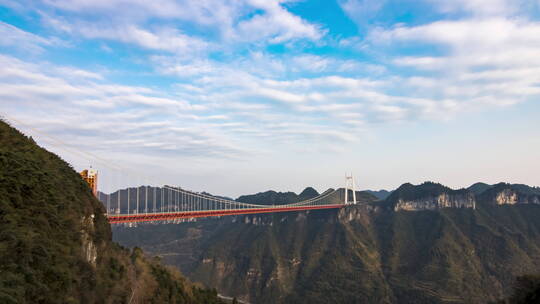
x: 238, y: 100
x: 226, y: 22
x: 11, y: 36
x: 276, y: 25
x: 483, y: 62
x: 472, y: 34
x: 161, y: 38
x: 74, y: 72
x: 97, y: 112
x: 481, y: 7
x: 202, y: 12
x: 361, y: 11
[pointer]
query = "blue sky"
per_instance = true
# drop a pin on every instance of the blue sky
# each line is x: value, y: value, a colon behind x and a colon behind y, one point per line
x: 236, y: 97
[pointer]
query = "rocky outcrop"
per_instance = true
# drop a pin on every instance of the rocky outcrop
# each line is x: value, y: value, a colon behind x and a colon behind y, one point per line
x: 511, y: 197
x: 443, y: 200
x: 506, y: 197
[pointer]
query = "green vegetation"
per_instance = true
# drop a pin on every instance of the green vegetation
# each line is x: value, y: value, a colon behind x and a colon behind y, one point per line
x: 55, y: 243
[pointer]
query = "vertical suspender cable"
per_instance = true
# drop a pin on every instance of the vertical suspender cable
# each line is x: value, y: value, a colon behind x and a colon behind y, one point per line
x: 118, y: 196
x: 128, y: 190
x: 108, y: 203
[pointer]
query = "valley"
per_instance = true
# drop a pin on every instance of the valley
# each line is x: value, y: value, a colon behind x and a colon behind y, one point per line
x: 423, y: 244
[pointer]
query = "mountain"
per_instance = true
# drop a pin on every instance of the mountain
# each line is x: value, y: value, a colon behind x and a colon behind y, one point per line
x: 423, y: 244
x: 307, y: 193
x: 277, y: 198
x: 380, y: 194
x: 55, y: 242
x: 429, y: 196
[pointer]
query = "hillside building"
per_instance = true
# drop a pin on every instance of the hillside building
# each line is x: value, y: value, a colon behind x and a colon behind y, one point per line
x: 91, y: 177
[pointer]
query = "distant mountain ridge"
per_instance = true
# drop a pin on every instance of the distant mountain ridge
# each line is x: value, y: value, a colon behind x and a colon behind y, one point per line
x: 479, y: 188
x: 272, y: 197
x: 476, y: 188
x: 380, y: 194
x: 430, y: 196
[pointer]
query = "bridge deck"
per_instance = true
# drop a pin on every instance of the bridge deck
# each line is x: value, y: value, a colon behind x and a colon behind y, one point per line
x: 145, y: 217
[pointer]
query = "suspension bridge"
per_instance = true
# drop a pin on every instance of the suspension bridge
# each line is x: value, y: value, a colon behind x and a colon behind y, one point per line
x: 146, y: 203
x: 166, y: 203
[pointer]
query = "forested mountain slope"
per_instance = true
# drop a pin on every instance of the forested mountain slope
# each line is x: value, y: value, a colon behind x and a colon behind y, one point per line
x: 55, y: 242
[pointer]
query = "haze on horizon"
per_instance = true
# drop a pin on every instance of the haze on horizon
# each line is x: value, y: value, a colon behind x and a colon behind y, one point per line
x: 237, y: 97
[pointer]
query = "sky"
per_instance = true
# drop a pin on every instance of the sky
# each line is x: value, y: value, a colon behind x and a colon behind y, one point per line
x: 238, y: 97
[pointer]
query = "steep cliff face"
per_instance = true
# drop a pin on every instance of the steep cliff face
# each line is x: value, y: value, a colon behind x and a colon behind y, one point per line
x: 88, y: 245
x: 443, y: 200
x: 55, y: 242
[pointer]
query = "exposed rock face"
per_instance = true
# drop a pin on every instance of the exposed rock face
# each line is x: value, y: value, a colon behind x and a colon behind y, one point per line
x: 358, y: 213
x: 511, y: 197
x: 89, y: 248
x: 506, y: 197
x: 443, y: 200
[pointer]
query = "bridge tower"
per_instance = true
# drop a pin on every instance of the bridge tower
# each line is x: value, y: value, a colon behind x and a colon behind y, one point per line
x: 91, y: 177
x: 349, y: 185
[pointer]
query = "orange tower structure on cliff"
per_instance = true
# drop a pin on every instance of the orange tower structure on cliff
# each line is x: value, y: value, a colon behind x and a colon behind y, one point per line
x: 91, y: 177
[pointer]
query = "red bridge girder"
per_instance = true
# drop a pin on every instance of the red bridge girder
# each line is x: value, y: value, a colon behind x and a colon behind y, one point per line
x: 146, y: 217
